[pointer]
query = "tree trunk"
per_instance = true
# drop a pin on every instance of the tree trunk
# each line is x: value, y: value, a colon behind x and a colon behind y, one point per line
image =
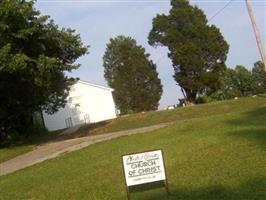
x: 190, y: 97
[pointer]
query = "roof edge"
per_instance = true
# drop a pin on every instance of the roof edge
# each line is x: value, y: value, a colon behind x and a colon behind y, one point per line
x: 95, y: 85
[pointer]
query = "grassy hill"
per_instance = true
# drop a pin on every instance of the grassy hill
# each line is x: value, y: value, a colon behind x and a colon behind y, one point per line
x: 215, y: 151
x: 186, y: 113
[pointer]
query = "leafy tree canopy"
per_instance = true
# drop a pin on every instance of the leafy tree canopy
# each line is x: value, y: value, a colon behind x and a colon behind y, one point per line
x: 197, y: 50
x: 238, y: 82
x: 34, y: 56
x: 133, y: 76
x: 259, y: 77
x: 242, y: 82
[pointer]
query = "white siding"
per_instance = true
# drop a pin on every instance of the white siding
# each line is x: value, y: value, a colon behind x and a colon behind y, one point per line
x: 86, y: 103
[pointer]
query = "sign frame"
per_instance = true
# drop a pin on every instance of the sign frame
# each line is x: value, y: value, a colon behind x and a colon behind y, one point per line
x: 166, y: 185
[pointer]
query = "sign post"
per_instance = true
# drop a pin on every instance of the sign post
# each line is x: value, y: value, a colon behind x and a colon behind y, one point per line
x: 143, y: 168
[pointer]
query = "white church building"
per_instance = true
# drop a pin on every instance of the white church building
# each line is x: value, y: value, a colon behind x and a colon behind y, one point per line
x: 86, y: 103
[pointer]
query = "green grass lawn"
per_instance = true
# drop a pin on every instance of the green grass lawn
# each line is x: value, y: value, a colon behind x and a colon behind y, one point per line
x: 152, y: 118
x: 218, y: 152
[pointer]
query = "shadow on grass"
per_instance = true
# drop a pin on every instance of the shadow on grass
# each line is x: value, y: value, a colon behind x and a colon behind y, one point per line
x: 36, y: 139
x: 54, y: 136
x: 262, y: 95
x: 253, y: 126
x: 89, y: 128
x: 254, y: 189
x: 258, y: 135
x: 253, y: 117
x: 83, y: 131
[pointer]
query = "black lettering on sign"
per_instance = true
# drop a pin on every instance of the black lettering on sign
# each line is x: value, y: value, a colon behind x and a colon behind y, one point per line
x: 146, y: 167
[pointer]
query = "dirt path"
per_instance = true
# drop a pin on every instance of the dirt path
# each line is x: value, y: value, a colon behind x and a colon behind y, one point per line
x: 53, y: 149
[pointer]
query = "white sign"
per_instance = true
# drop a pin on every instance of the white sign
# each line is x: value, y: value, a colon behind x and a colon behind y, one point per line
x: 143, y: 167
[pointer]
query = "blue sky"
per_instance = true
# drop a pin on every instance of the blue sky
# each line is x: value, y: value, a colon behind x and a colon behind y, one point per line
x: 99, y: 20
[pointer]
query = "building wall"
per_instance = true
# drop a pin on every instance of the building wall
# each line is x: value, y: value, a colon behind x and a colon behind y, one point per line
x: 87, y: 103
x: 57, y: 120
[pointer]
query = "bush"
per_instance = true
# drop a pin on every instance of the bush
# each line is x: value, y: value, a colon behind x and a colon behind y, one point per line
x: 204, y: 99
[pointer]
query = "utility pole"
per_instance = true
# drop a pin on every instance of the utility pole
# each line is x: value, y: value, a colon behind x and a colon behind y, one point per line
x: 256, y: 31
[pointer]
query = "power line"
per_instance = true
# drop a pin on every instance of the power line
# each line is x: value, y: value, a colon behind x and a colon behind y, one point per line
x: 219, y: 11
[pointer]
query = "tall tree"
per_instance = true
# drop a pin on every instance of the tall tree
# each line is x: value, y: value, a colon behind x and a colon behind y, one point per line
x: 133, y: 76
x: 34, y: 56
x: 229, y: 87
x: 235, y: 83
x: 243, y: 80
x: 239, y: 81
x: 197, y: 50
x: 259, y: 77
